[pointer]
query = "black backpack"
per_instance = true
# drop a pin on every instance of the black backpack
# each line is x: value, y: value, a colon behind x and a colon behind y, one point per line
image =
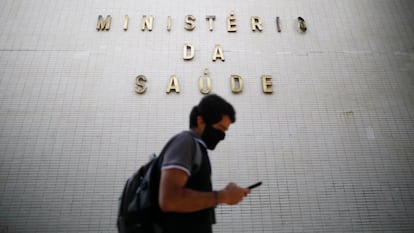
x: 138, y: 205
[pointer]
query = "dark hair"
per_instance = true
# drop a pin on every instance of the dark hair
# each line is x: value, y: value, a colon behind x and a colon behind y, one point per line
x: 212, y: 108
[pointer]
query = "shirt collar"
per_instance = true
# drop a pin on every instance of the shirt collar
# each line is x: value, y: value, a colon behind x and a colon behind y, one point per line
x: 198, y: 139
x: 201, y: 142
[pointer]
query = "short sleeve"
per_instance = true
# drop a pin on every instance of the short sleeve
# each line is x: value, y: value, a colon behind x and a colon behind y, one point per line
x: 179, y: 153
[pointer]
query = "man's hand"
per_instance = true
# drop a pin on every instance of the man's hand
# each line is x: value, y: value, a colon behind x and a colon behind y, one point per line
x: 232, y: 194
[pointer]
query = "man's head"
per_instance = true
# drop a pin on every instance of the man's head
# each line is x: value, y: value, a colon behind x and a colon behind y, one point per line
x: 211, y: 118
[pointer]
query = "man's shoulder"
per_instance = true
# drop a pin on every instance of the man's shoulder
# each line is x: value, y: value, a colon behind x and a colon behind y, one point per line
x: 178, y: 153
x: 180, y: 140
x: 185, y: 135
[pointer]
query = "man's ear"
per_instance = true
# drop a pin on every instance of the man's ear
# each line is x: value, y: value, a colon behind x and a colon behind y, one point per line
x: 200, y: 122
x: 200, y: 126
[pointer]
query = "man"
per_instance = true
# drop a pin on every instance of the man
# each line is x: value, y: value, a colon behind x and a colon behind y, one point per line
x: 187, y: 200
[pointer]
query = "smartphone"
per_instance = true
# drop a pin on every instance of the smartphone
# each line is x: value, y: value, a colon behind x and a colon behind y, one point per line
x: 255, y: 185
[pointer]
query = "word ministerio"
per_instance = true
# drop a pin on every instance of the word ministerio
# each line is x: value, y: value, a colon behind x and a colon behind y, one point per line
x: 189, y: 23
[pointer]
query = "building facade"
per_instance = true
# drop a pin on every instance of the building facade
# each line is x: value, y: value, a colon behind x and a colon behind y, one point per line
x: 324, y: 94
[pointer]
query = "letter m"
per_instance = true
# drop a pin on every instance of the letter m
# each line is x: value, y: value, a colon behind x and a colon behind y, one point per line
x: 103, y: 24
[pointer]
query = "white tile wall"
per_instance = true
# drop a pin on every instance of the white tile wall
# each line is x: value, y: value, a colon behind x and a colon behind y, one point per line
x: 333, y: 144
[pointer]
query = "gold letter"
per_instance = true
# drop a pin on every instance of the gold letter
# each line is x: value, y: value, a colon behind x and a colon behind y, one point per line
x: 126, y: 19
x: 173, y: 84
x: 302, y: 24
x: 267, y: 83
x: 188, y: 52
x: 236, y: 83
x: 189, y: 22
x: 103, y: 25
x: 218, y: 53
x: 141, y: 83
x: 169, y: 23
x: 147, y: 23
x: 256, y: 23
x: 210, y: 19
x: 201, y: 83
x: 231, y: 23
x: 278, y: 24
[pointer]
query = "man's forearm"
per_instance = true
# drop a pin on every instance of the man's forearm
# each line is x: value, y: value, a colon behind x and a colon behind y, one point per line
x: 188, y: 200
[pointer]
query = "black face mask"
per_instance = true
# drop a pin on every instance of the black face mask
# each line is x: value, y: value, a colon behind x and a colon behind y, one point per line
x: 212, y: 136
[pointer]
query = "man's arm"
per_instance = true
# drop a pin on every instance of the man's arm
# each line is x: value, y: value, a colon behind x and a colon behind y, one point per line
x: 174, y: 197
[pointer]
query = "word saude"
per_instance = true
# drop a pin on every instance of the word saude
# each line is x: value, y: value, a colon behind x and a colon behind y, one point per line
x: 205, y: 84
